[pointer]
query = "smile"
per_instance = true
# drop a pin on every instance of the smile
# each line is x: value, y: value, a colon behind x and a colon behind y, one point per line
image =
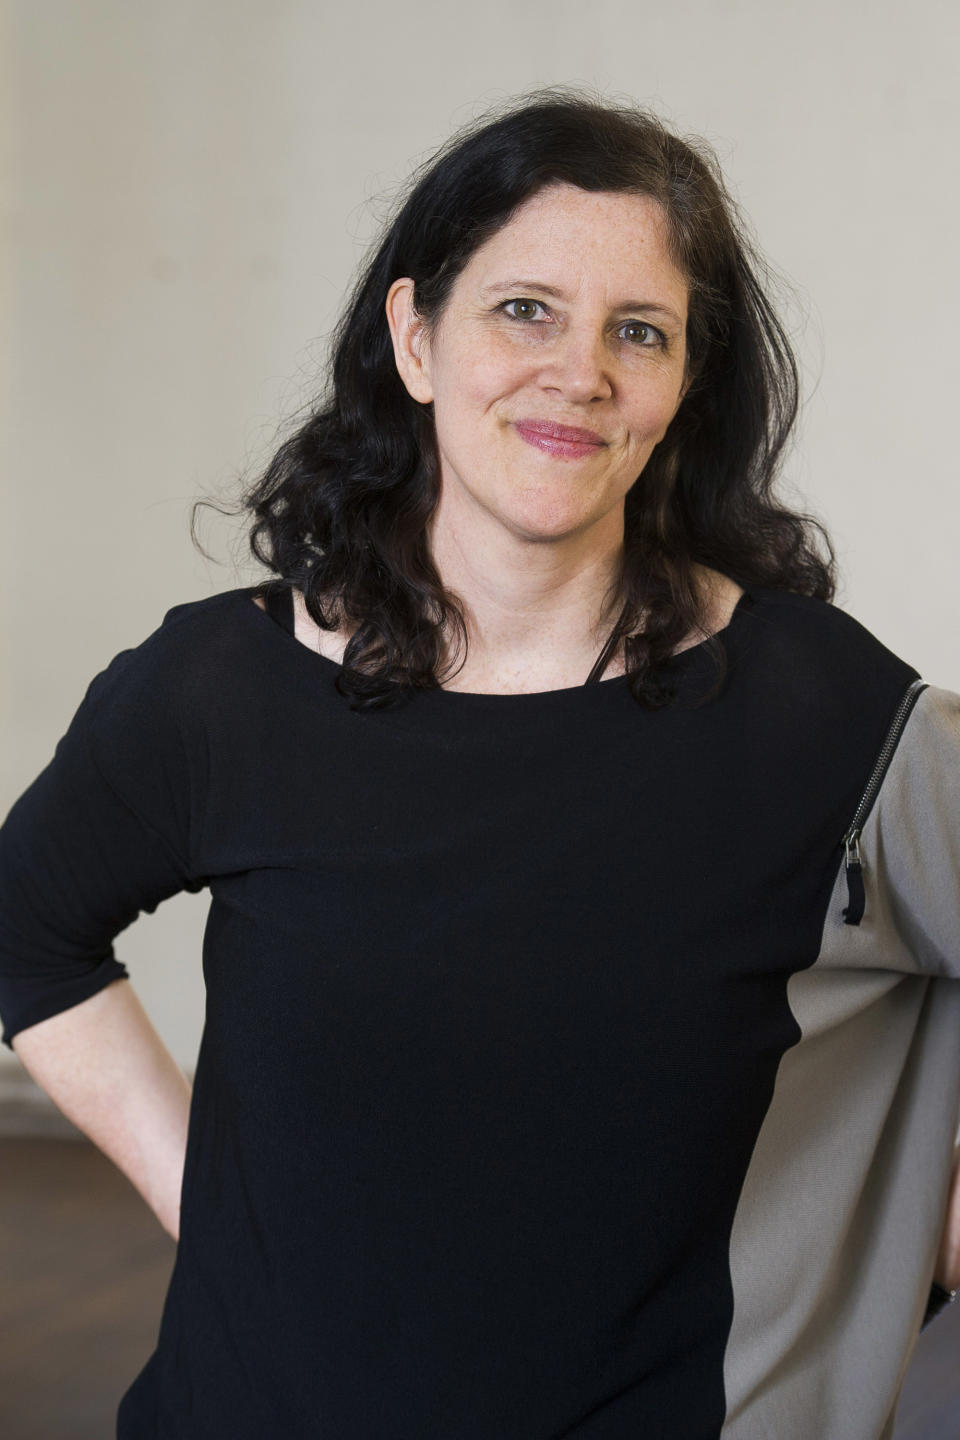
x: 558, y: 440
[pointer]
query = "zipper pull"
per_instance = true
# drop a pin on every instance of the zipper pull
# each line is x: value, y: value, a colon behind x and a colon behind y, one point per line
x: 853, y: 913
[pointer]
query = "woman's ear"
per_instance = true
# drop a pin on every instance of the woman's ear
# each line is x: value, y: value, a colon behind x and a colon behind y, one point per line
x: 411, y: 350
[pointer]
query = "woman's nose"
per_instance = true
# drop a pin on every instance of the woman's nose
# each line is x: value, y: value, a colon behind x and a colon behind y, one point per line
x: 579, y: 366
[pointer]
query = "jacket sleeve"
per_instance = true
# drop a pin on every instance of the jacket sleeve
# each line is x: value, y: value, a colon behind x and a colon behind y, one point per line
x: 103, y: 833
x: 912, y: 836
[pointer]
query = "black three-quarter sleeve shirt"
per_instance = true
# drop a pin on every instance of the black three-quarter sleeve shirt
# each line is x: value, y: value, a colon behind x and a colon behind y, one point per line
x: 545, y: 1090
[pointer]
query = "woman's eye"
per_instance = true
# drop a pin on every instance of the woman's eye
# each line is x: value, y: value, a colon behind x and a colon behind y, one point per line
x: 525, y: 308
x: 643, y: 334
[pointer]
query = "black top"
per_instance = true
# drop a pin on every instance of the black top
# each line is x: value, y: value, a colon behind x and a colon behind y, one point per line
x: 496, y: 996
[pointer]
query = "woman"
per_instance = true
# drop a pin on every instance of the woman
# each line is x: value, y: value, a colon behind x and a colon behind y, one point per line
x: 564, y: 1073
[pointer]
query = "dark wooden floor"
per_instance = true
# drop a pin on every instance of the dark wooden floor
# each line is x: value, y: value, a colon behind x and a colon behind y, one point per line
x: 84, y: 1267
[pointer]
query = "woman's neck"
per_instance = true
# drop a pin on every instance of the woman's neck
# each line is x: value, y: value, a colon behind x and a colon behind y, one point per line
x: 537, y: 613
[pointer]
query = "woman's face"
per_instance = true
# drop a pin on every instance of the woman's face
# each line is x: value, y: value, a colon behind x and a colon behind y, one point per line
x: 572, y: 315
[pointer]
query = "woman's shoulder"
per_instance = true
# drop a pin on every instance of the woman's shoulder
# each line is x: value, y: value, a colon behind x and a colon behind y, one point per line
x: 146, y: 719
x: 199, y: 650
x: 812, y: 669
x: 807, y: 625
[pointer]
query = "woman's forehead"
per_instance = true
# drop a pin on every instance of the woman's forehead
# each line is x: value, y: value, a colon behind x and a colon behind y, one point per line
x: 564, y: 237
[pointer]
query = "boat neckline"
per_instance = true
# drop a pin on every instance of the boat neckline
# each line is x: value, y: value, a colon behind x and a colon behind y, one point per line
x: 612, y: 685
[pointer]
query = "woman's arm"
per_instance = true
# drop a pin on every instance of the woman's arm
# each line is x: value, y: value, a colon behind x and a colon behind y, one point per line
x: 947, y: 1273
x: 104, y: 1065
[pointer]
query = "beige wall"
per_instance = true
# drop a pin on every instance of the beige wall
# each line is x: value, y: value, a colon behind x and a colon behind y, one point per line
x: 191, y: 185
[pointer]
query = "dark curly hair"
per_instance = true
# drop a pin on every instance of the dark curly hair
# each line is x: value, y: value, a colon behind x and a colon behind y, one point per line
x: 341, y: 511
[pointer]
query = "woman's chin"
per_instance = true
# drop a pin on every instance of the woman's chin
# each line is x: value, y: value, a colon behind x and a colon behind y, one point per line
x: 550, y: 523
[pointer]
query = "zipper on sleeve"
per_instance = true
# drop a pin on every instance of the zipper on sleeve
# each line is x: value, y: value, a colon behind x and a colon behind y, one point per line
x: 853, y: 860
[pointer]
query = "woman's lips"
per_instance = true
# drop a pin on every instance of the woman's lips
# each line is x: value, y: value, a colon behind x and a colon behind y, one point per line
x: 560, y: 440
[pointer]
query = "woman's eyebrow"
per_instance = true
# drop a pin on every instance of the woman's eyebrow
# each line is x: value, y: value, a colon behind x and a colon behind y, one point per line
x: 650, y: 306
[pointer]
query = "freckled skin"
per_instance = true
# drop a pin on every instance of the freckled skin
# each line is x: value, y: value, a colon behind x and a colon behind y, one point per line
x: 574, y: 359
